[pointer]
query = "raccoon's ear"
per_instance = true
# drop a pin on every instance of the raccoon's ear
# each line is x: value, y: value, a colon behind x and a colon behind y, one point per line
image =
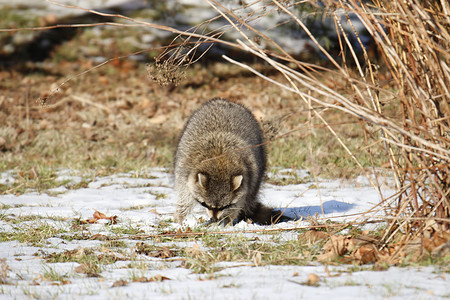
x: 236, y: 182
x: 202, y: 178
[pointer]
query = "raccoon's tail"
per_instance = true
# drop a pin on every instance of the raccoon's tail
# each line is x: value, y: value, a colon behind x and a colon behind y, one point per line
x: 266, y: 216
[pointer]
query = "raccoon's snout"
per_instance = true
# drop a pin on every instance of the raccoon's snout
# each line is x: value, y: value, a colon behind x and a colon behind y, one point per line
x: 214, y: 212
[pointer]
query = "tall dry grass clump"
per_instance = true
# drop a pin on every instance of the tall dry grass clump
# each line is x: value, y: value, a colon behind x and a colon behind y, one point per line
x: 414, y: 40
x: 405, y: 114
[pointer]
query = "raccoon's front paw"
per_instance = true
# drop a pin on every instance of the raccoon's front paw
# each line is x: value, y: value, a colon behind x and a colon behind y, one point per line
x: 178, y: 218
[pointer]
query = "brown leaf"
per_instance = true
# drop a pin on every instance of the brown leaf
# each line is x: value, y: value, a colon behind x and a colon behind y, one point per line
x: 81, y: 269
x: 99, y: 237
x: 158, y: 278
x: 91, y: 221
x: 312, y: 280
x: 313, y: 236
x: 336, y: 246
x: 163, y: 252
x: 113, y: 219
x: 159, y: 251
x: 120, y: 283
x: 428, y: 244
x: 207, y: 278
x: 442, y: 250
x: 356, y: 242
x: 366, y: 254
x: 141, y: 279
x: 99, y: 215
x: 327, y: 256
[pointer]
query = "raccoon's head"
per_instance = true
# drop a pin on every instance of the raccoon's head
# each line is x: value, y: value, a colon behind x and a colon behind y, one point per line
x: 221, y: 195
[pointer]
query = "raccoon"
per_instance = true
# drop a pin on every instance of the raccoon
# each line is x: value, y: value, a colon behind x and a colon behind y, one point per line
x: 220, y: 163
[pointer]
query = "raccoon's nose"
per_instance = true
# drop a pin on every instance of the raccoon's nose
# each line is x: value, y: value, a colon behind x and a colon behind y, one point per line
x: 215, y: 213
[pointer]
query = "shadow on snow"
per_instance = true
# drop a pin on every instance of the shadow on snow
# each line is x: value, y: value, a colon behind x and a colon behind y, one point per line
x: 298, y: 213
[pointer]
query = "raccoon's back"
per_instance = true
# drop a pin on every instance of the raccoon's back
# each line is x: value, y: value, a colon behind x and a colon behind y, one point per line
x: 220, y: 127
x: 221, y: 115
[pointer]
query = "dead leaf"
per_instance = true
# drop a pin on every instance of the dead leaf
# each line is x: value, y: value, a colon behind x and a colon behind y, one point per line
x: 312, y: 280
x: 441, y: 251
x: 158, y: 251
x: 313, y: 236
x: 366, y: 254
x: 99, y: 237
x: 326, y: 257
x: 158, y: 278
x: 120, y: 282
x: 437, y: 239
x: 207, y: 278
x: 339, y: 244
x: 141, y: 279
x: 336, y: 246
x: 81, y: 269
x: 99, y: 215
x: 163, y: 252
x: 90, y: 221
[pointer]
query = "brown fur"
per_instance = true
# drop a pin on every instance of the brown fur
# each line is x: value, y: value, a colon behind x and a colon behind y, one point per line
x: 220, y: 163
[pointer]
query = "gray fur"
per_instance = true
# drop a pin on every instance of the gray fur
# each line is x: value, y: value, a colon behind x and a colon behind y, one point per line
x: 220, y: 163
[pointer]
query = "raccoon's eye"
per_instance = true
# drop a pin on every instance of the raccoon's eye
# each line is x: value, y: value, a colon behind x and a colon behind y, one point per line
x: 236, y: 182
x: 203, y: 204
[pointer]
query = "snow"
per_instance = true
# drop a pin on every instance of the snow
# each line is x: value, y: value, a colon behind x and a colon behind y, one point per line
x: 134, y: 199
